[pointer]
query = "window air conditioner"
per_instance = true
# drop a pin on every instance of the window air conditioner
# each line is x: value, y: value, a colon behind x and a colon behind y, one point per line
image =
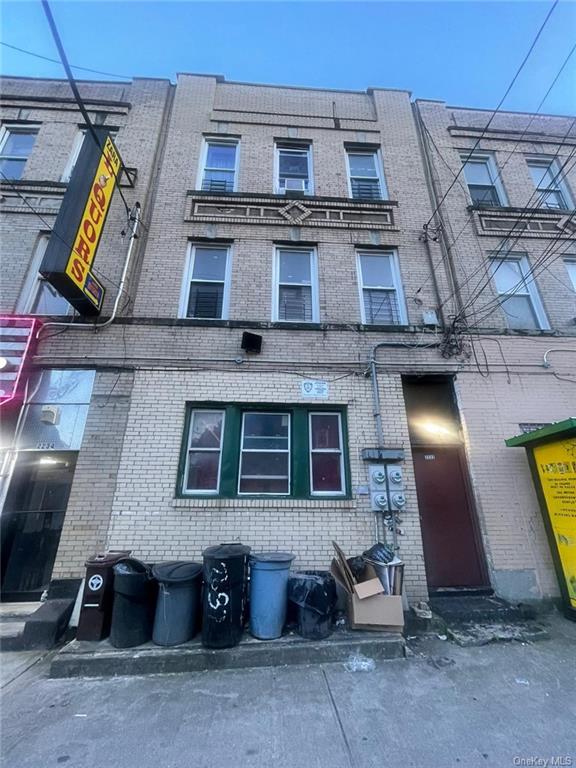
x: 295, y: 185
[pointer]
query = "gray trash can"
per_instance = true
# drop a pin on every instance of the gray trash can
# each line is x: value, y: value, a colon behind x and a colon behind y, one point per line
x: 178, y: 605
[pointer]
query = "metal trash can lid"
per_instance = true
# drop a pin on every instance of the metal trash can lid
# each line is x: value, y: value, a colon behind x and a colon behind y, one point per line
x: 177, y: 571
x: 226, y: 551
x: 272, y: 557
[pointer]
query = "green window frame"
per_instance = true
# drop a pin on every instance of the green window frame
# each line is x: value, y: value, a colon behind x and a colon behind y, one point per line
x: 300, y: 447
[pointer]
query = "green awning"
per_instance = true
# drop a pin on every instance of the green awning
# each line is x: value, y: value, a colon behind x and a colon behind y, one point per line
x: 559, y: 429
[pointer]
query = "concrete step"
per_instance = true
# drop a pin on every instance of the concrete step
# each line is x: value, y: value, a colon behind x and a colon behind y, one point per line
x: 11, y: 634
x: 100, y: 659
x: 458, y: 609
x: 17, y: 610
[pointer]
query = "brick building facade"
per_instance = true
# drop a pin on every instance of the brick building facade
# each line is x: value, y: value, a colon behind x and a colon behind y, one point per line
x: 297, y: 215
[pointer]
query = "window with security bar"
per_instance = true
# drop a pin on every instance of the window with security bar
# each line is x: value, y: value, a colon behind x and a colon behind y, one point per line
x: 483, y: 180
x: 236, y: 450
x: 220, y: 166
x: 365, y: 175
x: 550, y: 186
x: 293, y: 169
x: 296, y: 286
x: 206, y: 283
x: 381, y: 295
x: 519, y: 298
x: 16, y: 144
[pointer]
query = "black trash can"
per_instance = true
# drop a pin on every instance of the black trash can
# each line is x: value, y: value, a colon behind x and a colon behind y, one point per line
x: 225, y: 594
x: 96, y: 609
x: 134, y: 604
x: 312, y: 596
x: 178, y: 604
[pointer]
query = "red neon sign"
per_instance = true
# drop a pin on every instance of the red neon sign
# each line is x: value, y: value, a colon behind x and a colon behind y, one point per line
x: 17, y: 345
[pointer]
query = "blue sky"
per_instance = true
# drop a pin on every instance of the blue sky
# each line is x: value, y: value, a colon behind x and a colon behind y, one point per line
x: 462, y: 52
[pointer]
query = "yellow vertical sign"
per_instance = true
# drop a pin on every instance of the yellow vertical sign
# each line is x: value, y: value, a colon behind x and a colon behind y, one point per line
x: 90, y: 229
x: 556, y: 467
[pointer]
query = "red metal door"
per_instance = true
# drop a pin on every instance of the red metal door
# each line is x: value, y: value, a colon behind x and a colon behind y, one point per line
x: 452, y: 549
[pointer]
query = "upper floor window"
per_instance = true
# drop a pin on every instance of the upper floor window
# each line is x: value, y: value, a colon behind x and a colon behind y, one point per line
x: 73, y: 158
x: 295, y: 285
x: 519, y: 300
x: 571, y: 268
x: 38, y: 297
x: 219, y: 166
x: 206, y: 283
x: 16, y: 143
x: 550, y: 186
x: 365, y: 175
x: 381, y: 295
x: 483, y: 180
x: 294, y: 168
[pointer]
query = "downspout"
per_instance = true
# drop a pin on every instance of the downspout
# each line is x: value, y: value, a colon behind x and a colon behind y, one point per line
x: 135, y: 221
x: 434, y: 199
x: 379, y: 427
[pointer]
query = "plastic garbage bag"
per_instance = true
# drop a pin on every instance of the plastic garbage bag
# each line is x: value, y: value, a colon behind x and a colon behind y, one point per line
x: 379, y: 553
x: 315, y: 590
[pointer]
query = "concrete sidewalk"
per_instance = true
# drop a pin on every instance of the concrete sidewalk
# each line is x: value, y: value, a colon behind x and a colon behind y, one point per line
x: 444, y: 707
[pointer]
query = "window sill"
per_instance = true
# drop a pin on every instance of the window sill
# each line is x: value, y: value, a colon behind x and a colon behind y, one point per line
x: 285, y: 502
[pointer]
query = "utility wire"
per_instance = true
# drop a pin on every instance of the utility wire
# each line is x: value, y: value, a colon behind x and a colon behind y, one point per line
x: 50, y: 228
x: 57, y: 61
x: 495, y: 112
x: 518, y: 142
x: 535, y: 270
x: 501, y: 168
x: 527, y: 214
x: 77, y: 96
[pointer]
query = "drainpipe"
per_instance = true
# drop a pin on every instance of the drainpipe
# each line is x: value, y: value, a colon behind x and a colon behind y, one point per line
x: 434, y: 199
x: 378, y: 419
x: 135, y: 221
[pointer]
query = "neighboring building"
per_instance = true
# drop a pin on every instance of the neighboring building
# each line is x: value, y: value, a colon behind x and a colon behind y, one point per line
x: 283, y: 272
x: 49, y: 482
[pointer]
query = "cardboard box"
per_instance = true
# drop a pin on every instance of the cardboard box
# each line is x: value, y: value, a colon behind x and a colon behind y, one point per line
x: 367, y: 605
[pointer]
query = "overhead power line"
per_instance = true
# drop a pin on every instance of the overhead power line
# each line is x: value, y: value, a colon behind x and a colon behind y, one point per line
x: 529, y: 211
x: 57, y: 61
x: 495, y: 112
x: 78, y: 97
x: 49, y: 226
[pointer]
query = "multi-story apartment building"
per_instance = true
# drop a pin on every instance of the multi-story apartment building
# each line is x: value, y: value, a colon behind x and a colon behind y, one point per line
x: 314, y: 298
x: 47, y: 481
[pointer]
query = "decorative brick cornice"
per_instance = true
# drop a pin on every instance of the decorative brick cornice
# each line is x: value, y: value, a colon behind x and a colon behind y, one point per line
x: 277, y: 210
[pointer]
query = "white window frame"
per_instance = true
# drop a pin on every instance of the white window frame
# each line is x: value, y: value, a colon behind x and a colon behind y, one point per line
x: 74, y: 153
x: 34, y: 281
x: 301, y: 146
x: 187, y: 280
x: 553, y: 166
x: 396, y: 275
x: 265, y: 450
x: 313, y: 280
x: 16, y: 128
x: 490, y: 161
x: 529, y: 283
x: 570, y: 264
x: 199, y: 491
x: 377, y: 154
x: 342, y: 491
x: 223, y: 140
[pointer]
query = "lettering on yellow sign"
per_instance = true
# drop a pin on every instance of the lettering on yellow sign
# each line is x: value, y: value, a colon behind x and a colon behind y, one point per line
x: 556, y: 466
x: 88, y: 234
